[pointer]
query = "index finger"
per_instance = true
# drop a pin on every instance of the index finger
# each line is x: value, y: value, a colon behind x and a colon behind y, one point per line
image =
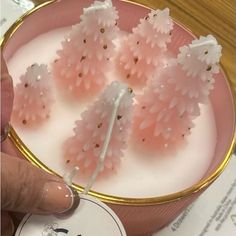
x: 26, y: 188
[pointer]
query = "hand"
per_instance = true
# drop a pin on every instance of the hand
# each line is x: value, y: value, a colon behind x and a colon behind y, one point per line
x: 24, y: 187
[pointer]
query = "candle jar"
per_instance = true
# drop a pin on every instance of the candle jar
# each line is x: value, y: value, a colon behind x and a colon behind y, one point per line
x: 140, y: 216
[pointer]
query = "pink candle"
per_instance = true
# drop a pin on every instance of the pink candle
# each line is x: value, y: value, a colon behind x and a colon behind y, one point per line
x: 84, y: 148
x: 169, y: 104
x: 81, y: 66
x: 33, y: 97
x: 135, y: 167
x: 145, y: 48
x: 142, y: 174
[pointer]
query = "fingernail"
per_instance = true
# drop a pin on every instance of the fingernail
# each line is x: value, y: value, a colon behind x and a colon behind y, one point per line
x: 4, y: 132
x: 58, y: 198
x: 74, y: 204
x: 5, y: 77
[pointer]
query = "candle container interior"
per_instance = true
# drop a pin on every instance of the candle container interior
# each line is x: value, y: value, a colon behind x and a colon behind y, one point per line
x: 140, y: 216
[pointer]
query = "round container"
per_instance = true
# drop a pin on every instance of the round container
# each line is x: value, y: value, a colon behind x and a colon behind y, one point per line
x: 140, y: 216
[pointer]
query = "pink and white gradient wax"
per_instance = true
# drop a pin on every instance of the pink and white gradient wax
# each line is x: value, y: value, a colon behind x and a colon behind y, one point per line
x: 140, y: 174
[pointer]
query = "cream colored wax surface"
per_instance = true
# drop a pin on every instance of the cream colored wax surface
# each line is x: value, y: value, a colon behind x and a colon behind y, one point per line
x: 140, y: 175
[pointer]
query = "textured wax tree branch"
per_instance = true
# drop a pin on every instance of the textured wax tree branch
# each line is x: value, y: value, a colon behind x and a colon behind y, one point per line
x: 145, y: 49
x: 165, y: 111
x: 84, y: 148
x: 33, y: 97
x: 85, y: 55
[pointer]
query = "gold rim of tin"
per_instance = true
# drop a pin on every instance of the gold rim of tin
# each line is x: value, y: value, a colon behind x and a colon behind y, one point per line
x: 202, y: 184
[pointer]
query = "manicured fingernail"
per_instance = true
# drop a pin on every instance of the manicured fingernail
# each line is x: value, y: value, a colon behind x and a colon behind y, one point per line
x: 74, y: 204
x: 5, y: 77
x: 4, y: 132
x: 58, y: 198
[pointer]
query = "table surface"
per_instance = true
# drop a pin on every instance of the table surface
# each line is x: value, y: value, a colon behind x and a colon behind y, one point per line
x: 203, y: 17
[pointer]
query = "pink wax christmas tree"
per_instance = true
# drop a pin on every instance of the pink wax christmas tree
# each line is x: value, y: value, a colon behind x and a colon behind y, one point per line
x: 84, y: 148
x: 170, y: 102
x: 86, y: 52
x: 143, y: 51
x: 33, y: 97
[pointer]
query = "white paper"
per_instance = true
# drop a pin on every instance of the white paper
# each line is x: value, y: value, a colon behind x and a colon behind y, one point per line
x: 91, y: 218
x: 213, y: 213
x: 11, y: 11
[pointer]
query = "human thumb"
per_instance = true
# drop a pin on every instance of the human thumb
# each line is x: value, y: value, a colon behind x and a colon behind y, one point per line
x: 6, y: 94
x: 26, y: 188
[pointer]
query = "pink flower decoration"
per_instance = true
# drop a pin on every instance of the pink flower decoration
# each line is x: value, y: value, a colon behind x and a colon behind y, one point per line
x: 146, y: 48
x: 165, y: 111
x: 86, y: 52
x: 84, y: 148
x: 33, y: 97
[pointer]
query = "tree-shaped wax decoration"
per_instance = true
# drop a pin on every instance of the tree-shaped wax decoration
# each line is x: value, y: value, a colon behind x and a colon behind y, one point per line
x: 170, y: 102
x: 84, y: 148
x: 33, y: 96
x: 145, y: 49
x: 85, y: 55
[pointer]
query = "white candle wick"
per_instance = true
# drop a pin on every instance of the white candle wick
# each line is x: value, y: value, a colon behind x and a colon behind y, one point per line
x: 106, y: 142
x: 104, y: 5
x: 207, y: 42
x: 68, y: 176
